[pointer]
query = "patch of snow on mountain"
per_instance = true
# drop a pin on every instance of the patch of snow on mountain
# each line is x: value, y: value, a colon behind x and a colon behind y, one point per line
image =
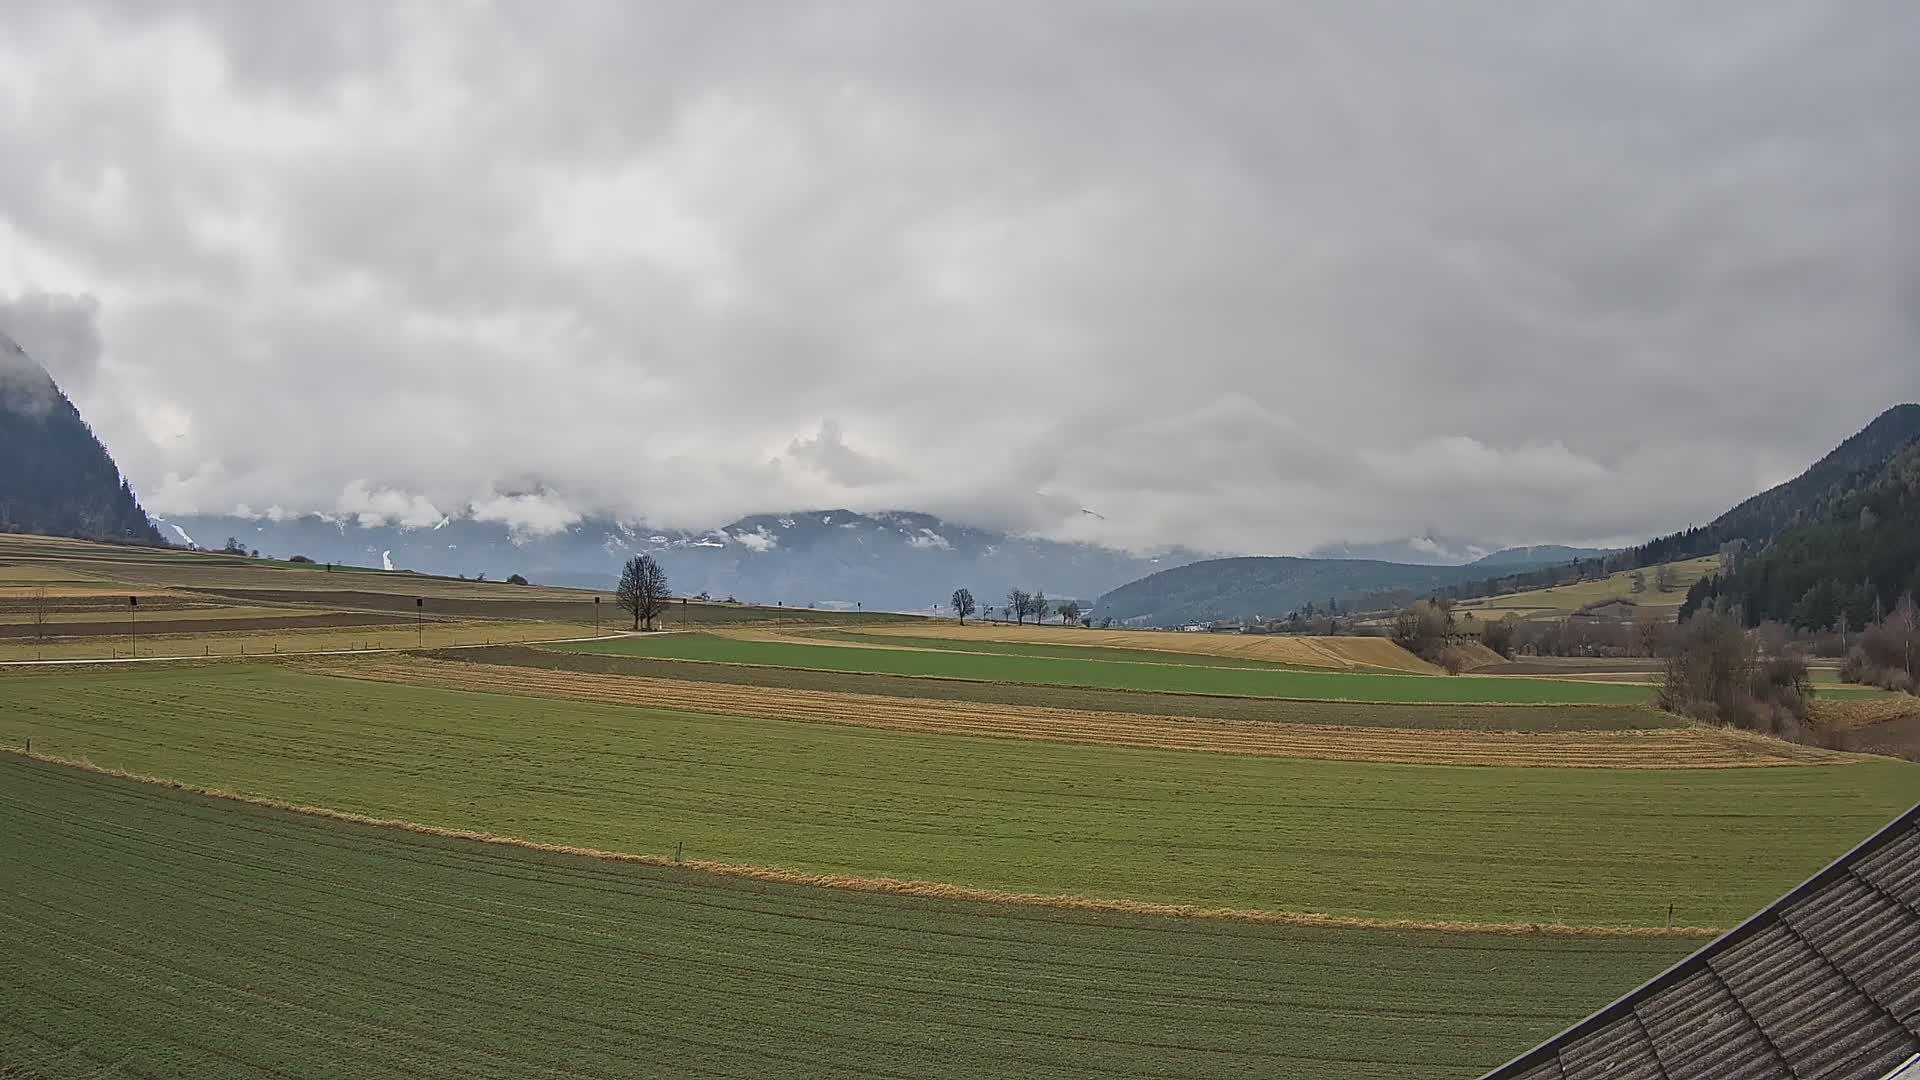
x: 758, y: 541
x: 183, y: 534
x: 928, y: 540
x: 386, y: 560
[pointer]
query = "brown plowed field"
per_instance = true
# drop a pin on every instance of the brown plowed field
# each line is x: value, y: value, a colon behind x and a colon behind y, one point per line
x: 1664, y: 748
x: 157, y: 627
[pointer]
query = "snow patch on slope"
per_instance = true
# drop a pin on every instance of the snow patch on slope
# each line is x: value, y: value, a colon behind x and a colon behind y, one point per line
x: 759, y: 540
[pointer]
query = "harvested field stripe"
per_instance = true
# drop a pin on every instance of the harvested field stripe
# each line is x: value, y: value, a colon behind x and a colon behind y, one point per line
x: 1683, y: 748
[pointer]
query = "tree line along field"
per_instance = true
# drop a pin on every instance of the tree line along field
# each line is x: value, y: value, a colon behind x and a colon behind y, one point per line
x: 158, y: 933
x: 1489, y: 845
x: 1118, y: 675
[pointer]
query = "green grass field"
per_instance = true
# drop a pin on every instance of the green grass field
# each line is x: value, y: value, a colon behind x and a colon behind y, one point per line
x: 156, y: 933
x: 1584, y: 847
x: 1063, y: 651
x: 1168, y: 676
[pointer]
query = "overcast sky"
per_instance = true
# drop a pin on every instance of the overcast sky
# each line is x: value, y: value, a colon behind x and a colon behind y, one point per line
x: 1250, y: 277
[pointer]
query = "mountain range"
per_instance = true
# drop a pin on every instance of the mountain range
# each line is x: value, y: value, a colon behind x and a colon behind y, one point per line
x: 1831, y: 539
x: 884, y: 561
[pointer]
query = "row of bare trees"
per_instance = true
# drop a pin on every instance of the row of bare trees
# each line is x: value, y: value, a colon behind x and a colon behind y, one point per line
x: 1720, y: 673
x: 1021, y: 605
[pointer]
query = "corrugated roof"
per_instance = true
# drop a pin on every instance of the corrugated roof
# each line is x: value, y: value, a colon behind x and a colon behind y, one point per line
x: 1825, y: 984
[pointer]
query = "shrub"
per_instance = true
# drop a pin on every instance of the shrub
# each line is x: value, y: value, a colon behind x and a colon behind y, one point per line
x: 299, y: 558
x: 1499, y: 636
x: 516, y: 579
x: 1718, y: 674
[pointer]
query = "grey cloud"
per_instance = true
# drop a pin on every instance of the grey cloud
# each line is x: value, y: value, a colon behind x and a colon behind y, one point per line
x: 827, y: 453
x: 44, y: 336
x: 1248, y: 276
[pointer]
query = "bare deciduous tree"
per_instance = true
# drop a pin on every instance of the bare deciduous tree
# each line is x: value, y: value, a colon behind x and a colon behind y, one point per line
x: 37, y: 612
x: 643, y: 591
x: 1038, y: 607
x: 963, y: 604
x: 1070, y: 612
x: 1018, y: 602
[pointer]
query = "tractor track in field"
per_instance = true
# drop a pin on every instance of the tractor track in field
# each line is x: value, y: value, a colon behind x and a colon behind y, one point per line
x: 1658, y: 748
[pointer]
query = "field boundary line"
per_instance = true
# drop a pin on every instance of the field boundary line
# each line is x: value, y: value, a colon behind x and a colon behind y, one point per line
x: 930, y: 890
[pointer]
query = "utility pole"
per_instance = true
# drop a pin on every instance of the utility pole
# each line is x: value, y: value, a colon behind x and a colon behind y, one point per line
x: 133, y: 618
x: 596, y: 616
x: 419, y: 620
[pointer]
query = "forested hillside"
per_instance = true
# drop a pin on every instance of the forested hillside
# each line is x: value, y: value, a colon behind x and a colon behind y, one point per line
x: 1264, y: 588
x: 1856, y: 560
x: 1752, y: 524
x: 57, y: 478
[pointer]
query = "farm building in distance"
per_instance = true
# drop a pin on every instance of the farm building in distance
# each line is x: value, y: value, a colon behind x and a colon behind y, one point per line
x: 1824, y: 983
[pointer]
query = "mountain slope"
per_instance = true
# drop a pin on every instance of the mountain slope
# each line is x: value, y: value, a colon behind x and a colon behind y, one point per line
x: 896, y: 560
x: 1806, y: 497
x: 1238, y: 588
x: 1855, y: 560
x: 1263, y: 586
x: 1515, y: 558
x: 58, y: 479
x: 1752, y: 524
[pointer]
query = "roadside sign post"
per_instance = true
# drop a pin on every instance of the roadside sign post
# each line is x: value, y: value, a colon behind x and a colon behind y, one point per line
x: 419, y: 620
x: 133, y: 619
x: 596, y: 616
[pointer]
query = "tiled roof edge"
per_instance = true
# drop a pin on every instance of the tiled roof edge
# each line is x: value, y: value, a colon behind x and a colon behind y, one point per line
x: 1621, y: 1007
